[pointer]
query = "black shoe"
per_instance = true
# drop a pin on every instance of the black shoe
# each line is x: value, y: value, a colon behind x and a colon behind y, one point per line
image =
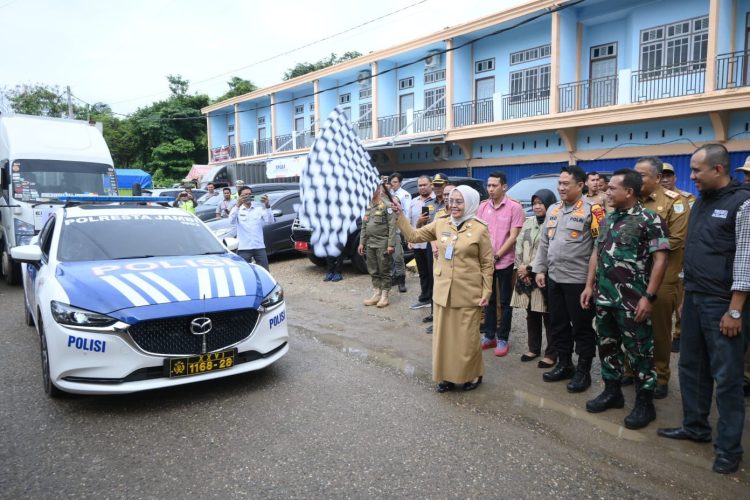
x: 644, y: 412
x: 428, y: 331
x: 544, y: 364
x: 526, y: 357
x: 726, y: 464
x: 661, y: 391
x: 582, y: 377
x: 445, y: 386
x: 746, y: 390
x: 427, y: 319
x: 627, y: 380
x: 401, y: 280
x: 676, y: 345
x: 681, y: 434
x: 470, y: 386
x: 611, y: 397
x: 563, y: 370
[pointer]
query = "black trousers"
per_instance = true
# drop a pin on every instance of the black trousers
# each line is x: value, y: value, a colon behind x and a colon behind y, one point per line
x: 333, y: 264
x: 423, y: 256
x: 570, y: 324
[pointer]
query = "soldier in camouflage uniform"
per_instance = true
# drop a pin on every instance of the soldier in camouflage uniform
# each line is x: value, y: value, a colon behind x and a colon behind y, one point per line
x: 627, y: 267
x: 377, y: 239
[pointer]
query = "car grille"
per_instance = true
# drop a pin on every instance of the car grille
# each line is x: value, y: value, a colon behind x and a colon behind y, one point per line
x: 173, y: 335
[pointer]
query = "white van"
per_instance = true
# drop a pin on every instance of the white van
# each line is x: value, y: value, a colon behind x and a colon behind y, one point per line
x: 41, y: 160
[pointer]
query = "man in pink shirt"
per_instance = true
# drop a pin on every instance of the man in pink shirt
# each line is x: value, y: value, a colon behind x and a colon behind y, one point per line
x: 504, y: 218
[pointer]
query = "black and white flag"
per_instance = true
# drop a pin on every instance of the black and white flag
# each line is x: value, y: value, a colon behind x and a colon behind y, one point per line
x: 336, y: 185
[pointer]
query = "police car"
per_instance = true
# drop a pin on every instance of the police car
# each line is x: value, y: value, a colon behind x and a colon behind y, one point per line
x: 128, y: 297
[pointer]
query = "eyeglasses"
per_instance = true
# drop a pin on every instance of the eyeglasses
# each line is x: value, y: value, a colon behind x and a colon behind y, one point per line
x: 456, y: 202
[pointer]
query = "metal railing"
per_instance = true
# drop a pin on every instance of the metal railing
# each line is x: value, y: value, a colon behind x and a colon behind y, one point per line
x: 363, y: 128
x: 265, y: 146
x: 525, y: 104
x: 732, y: 70
x: 668, y: 81
x: 588, y: 94
x: 303, y: 140
x: 247, y: 148
x: 284, y: 142
x: 473, y: 112
x: 414, y: 122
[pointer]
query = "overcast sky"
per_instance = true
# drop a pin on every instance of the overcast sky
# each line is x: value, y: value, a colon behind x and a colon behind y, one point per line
x: 120, y: 51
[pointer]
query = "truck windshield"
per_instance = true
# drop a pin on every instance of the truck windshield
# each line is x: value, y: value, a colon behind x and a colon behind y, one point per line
x: 48, y: 180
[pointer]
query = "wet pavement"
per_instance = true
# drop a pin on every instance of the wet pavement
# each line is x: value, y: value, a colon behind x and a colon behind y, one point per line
x: 349, y: 412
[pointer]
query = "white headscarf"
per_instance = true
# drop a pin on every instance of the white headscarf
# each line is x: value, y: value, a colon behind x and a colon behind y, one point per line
x: 471, y: 204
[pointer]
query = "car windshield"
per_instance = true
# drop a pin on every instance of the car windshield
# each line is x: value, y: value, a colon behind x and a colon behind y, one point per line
x: 524, y: 189
x: 100, y: 237
x: 213, y: 200
x: 48, y: 180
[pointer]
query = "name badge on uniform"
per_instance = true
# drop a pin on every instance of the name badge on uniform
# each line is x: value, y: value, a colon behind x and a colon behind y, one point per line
x: 449, y: 252
x: 720, y: 214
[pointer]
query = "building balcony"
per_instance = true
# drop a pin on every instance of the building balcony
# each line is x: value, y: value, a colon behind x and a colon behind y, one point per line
x: 247, y: 148
x: 526, y: 104
x: 473, y: 112
x: 413, y: 122
x: 223, y: 153
x: 265, y: 146
x: 668, y: 81
x: 588, y: 94
x: 732, y: 71
x: 363, y: 129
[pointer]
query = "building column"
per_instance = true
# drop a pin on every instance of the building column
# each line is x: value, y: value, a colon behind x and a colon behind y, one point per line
x: 237, y: 139
x: 208, y: 136
x: 449, y: 84
x: 316, y: 101
x: 273, y: 123
x: 554, y: 76
x: 713, y: 41
x: 374, y: 99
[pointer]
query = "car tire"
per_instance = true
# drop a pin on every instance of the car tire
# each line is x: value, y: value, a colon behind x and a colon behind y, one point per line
x: 49, y: 387
x: 11, y: 270
x: 27, y: 316
x: 359, y: 262
x: 318, y: 261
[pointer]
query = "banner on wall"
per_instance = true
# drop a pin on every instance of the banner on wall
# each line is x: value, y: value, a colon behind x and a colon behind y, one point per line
x: 285, y: 167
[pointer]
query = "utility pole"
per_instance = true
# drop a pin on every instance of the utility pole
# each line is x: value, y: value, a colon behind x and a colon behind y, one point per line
x: 70, y: 104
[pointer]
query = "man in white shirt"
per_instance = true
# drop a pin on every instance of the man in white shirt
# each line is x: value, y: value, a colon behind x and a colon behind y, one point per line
x: 422, y: 251
x: 249, y: 221
x: 404, y: 198
x: 225, y: 205
x: 210, y: 193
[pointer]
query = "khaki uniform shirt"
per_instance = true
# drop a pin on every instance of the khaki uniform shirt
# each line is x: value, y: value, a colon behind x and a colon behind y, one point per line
x: 673, y: 208
x: 466, y: 277
x: 378, y: 227
x: 690, y: 197
x: 567, y: 240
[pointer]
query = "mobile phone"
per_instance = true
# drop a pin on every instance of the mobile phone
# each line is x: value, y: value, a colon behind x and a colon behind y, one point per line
x: 425, y: 210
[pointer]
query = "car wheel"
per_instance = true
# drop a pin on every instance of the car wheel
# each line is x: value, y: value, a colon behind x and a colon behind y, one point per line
x: 11, y: 270
x: 49, y: 387
x: 318, y: 261
x: 27, y: 316
x: 359, y: 262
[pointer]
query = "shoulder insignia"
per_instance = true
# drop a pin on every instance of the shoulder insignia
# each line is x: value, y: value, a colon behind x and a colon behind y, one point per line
x: 598, y: 215
x: 671, y: 194
x: 678, y: 207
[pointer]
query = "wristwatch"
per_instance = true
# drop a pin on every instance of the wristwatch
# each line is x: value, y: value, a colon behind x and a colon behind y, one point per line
x: 651, y: 297
x: 734, y: 313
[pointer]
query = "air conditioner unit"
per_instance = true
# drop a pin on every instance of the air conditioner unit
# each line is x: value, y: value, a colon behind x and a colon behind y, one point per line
x: 433, y: 60
x: 440, y: 153
x: 363, y: 78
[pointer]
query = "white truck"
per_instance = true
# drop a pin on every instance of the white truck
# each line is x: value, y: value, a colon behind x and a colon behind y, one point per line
x: 42, y: 159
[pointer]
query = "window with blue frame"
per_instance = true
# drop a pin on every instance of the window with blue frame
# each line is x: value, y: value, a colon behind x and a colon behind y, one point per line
x: 674, y: 48
x: 530, y: 83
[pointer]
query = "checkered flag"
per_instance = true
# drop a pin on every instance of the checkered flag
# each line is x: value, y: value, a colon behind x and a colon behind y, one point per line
x: 336, y: 185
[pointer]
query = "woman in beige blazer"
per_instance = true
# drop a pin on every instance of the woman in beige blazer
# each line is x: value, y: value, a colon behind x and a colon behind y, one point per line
x: 462, y: 286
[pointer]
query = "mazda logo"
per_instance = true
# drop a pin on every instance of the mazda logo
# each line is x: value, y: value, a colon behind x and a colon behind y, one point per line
x: 201, y: 326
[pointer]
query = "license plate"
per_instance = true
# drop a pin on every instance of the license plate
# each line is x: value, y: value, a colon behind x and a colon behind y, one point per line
x: 203, y: 363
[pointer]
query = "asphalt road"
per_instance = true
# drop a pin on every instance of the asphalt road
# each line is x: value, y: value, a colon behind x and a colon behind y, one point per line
x: 334, y: 418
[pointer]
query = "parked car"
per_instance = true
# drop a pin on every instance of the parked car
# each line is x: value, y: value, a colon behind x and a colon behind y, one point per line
x: 277, y: 236
x: 166, y: 306
x: 524, y: 189
x: 301, y: 235
x: 172, y: 192
x: 207, y: 210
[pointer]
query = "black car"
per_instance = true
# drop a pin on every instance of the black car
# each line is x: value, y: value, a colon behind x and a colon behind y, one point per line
x: 524, y: 189
x: 301, y: 235
x: 207, y: 210
x: 278, y: 235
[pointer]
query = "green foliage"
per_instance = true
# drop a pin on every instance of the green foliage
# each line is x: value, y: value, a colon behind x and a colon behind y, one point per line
x: 237, y: 87
x: 37, y: 99
x: 306, y: 67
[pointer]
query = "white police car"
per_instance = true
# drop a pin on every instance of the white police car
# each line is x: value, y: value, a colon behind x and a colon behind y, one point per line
x: 130, y: 297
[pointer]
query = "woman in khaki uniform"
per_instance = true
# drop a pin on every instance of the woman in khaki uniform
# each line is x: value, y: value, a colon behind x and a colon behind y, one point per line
x: 462, y: 286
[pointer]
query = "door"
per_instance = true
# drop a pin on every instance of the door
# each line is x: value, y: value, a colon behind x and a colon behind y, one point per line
x: 405, y: 112
x: 299, y: 128
x: 485, y: 89
x: 278, y: 235
x: 262, y: 146
x: 744, y: 61
x: 603, y: 83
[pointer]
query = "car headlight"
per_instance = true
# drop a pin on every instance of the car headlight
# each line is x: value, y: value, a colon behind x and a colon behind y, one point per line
x: 72, y: 316
x: 275, y: 297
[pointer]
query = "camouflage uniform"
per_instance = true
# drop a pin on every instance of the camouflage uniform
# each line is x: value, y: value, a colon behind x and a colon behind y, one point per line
x: 624, y: 251
x: 377, y: 234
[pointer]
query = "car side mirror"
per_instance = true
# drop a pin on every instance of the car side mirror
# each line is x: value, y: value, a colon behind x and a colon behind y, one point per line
x: 30, y: 254
x: 232, y: 244
x: 277, y: 213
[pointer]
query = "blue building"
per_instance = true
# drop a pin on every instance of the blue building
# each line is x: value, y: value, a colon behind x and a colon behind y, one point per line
x: 596, y: 83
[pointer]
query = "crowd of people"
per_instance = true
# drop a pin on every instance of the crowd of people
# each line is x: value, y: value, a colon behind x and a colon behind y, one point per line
x: 605, y: 269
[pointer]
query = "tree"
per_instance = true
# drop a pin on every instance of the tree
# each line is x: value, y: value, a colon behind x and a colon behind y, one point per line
x: 306, y: 67
x: 178, y: 85
x: 37, y: 99
x: 237, y: 87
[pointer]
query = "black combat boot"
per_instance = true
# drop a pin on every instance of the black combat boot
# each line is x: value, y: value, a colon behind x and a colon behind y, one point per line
x: 582, y: 377
x: 562, y: 371
x: 611, y: 397
x: 643, y: 412
x: 401, y: 280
